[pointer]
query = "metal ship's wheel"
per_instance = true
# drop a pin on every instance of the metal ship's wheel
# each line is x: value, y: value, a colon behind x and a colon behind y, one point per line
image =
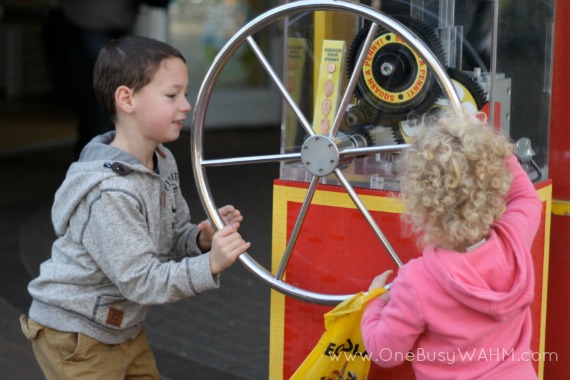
x: 321, y: 155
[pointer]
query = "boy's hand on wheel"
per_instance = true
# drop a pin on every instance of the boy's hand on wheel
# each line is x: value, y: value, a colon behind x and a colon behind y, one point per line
x: 227, y: 246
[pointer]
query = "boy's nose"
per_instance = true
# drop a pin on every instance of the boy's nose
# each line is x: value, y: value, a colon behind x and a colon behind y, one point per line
x: 186, y: 106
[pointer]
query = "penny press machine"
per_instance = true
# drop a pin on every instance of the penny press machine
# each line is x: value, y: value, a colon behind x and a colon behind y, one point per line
x: 355, y: 82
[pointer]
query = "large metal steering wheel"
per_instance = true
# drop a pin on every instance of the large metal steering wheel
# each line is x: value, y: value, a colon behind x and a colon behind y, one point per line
x: 323, y: 148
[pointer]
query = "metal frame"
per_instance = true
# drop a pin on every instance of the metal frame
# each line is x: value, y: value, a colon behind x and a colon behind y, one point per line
x: 200, y: 164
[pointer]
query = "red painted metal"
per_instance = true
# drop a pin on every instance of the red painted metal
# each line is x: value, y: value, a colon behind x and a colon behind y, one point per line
x: 557, y: 332
x: 337, y: 252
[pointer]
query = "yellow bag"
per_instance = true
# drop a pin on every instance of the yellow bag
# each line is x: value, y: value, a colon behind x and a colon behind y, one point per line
x: 340, y: 352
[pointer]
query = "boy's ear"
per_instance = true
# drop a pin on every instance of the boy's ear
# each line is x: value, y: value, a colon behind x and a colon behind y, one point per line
x: 124, y: 99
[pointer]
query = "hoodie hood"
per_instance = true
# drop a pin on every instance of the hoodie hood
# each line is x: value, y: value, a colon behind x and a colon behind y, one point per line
x: 491, y: 279
x: 98, y: 161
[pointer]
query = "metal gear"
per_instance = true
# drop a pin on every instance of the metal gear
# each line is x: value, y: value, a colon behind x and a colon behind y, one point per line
x: 364, y: 131
x: 471, y: 95
x: 358, y: 115
x: 469, y: 91
x: 394, y: 79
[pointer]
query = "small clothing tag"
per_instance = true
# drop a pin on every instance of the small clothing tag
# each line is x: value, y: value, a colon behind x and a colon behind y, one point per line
x: 115, y: 317
x: 476, y: 245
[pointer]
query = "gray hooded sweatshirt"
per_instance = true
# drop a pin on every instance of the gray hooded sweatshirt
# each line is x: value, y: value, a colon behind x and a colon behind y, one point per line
x: 125, y: 241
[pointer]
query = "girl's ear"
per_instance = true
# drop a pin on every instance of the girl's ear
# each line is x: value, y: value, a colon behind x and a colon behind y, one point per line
x: 124, y: 99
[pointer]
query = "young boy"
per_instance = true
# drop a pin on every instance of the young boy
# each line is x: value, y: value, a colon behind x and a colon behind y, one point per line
x: 125, y: 240
x: 461, y: 310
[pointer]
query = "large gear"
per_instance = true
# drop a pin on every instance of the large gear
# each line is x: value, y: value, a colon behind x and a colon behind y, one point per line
x: 394, y: 79
x: 470, y: 93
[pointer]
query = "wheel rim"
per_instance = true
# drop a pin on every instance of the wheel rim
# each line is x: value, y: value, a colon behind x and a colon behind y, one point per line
x: 200, y: 164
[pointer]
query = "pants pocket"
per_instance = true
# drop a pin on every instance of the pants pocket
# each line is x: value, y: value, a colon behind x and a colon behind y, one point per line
x: 30, y: 328
x: 66, y: 343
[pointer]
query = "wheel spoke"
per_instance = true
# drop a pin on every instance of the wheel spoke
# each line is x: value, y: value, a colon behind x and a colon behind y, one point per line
x: 252, y: 159
x: 267, y: 66
x: 348, y: 93
x: 373, y: 149
x: 356, y: 199
x: 297, y: 228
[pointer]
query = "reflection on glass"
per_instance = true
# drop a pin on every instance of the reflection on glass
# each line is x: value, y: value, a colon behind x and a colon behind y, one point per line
x: 200, y: 29
x: 225, y: 20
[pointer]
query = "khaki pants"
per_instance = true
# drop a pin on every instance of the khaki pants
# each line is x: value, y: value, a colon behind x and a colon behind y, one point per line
x: 64, y: 355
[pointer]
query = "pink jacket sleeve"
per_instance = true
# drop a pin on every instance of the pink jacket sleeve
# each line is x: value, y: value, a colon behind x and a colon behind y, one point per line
x: 524, y: 208
x: 390, y: 329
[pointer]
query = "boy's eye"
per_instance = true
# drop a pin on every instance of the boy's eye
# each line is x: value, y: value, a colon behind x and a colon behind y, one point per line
x: 172, y: 96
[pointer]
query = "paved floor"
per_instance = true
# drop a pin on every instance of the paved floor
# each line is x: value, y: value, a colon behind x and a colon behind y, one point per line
x: 222, y: 334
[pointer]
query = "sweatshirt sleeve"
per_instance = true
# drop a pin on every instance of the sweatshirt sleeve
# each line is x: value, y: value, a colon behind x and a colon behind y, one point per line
x: 523, y: 207
x: 185, y: 232
x: 116, y: 235
x: 390, y: 329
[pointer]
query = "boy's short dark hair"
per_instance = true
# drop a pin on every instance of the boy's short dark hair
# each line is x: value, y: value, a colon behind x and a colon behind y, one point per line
x: 128, y: 61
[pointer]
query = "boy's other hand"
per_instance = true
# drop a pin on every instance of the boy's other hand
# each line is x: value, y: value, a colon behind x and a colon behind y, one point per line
x: 229, y: 215
x: 227, y: 245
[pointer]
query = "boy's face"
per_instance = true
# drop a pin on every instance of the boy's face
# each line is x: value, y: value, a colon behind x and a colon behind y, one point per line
x: 161, y: 105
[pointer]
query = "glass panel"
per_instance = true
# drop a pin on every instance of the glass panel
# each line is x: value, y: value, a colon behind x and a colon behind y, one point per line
x: 524, y: 52
x: 498, y: 54
x: 199, y: 29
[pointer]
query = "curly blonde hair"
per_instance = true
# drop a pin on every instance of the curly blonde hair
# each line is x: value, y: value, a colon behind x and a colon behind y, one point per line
x: 454, y: 179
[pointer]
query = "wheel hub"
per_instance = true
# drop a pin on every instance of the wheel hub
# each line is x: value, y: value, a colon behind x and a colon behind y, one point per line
x: 320, y: 155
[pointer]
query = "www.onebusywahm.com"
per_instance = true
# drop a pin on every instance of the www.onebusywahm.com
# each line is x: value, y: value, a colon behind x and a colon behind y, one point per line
x: 451, y: 357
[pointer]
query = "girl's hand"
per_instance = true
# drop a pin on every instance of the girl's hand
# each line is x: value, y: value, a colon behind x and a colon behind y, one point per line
x: 229, y: 215
x: 227, y: 245
x: 379, y: 282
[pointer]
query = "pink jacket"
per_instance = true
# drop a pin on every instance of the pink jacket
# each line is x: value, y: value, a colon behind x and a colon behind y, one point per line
x: 464, y: 315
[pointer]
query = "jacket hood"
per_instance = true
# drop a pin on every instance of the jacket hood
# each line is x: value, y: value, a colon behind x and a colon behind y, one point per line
x: 485, y: 279
x: 98, y: 161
